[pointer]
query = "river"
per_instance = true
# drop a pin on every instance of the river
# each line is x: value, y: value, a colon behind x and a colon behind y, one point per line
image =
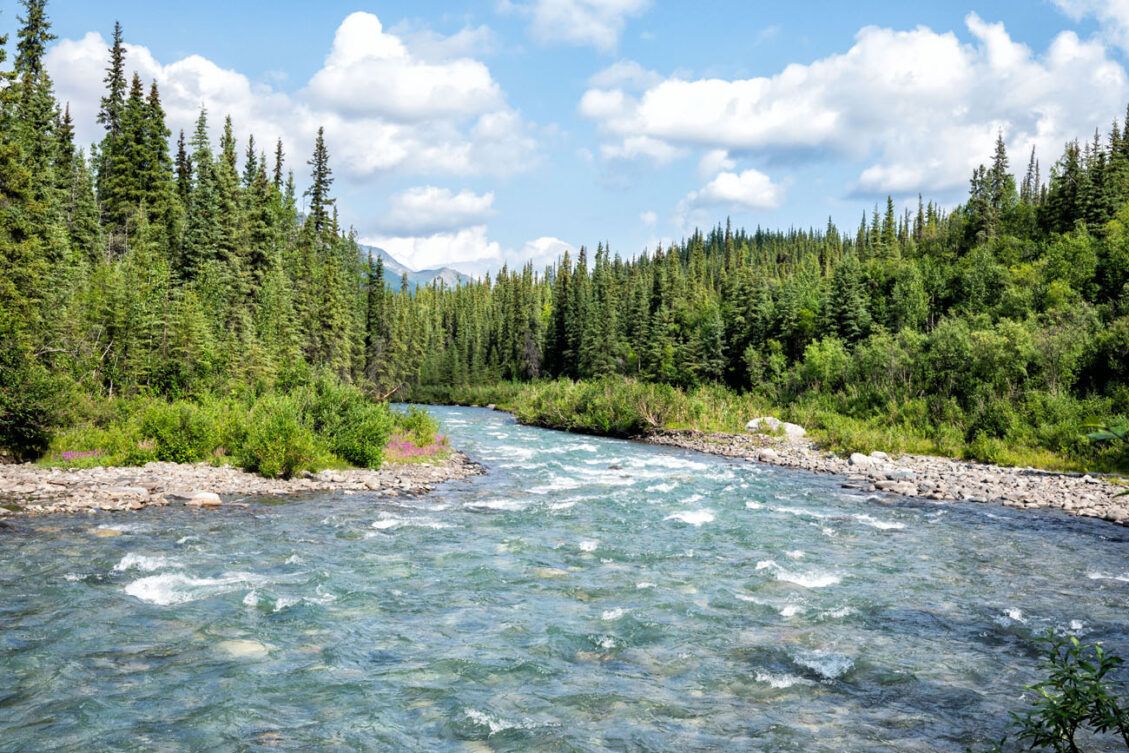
x: 586, y: 594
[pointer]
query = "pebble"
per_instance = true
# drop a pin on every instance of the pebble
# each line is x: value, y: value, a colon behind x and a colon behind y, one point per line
x: 921, y: 475
x: 31, y: 489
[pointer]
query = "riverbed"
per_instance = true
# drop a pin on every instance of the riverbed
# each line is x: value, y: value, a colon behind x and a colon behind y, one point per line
x: 585, y: 594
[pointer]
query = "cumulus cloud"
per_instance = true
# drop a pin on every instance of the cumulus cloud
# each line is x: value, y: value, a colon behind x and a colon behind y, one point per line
x: 371, y: 73
x: 746, y: 191
x: 634, y: 147
x: 1112, y: 15
x: 467, y: 249
x: 592, y: 23
x: 384, y: 106
x: 541, y: 251
x: 749, y: 189
x: 919, y: 109
x: 626, y: 74
x: 430, y: 210
x: 713, y: 162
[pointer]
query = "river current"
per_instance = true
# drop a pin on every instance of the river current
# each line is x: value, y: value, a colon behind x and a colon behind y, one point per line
x: 585, y: 595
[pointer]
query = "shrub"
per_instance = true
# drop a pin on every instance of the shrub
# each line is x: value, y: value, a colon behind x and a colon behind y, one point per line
x: 277, y: 443
x: 1077, y: 695
x: 417, y: 425
x: 183, y: 432
x: 362, y: 434
x: 29, y: 399
x: 354, y: 427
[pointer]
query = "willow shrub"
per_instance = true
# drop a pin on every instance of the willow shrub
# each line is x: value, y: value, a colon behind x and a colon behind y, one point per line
x: 278, y: 443
x: 320, y: 424
x: 613, y: 407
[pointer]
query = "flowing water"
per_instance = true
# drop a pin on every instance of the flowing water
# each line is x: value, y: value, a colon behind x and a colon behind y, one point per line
x: 585, y: 595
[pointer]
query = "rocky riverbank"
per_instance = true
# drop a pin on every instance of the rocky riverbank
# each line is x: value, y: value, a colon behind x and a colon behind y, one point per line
x: 29, y: 489
x: 918, y: 475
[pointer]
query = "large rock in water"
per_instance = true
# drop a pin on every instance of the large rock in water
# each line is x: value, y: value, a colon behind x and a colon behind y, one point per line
x: 771, y: 424
x: 204, y: 499
x: 238, y: 648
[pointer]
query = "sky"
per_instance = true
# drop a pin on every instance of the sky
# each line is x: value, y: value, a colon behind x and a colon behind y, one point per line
x: 492, y: 132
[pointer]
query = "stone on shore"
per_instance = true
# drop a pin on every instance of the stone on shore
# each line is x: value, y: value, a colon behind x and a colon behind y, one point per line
x: 30, y: 489
x: 773, y: 425
x: 935, y: 478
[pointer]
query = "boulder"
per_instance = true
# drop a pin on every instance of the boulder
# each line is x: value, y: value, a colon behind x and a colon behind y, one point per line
x: 243, y: 649
x: 880, y: 455
x: 773, y: 425
x: 899, y: 474
x: 768, y: 455
x: 204, y: 499
x: 859, y: 460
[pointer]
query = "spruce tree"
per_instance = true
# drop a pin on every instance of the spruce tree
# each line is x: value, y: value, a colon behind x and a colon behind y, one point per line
x: 321, y: 179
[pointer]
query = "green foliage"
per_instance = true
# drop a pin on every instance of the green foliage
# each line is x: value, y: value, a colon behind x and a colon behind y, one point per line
x: 1077, y: 699
x: 182, y: 432
x: 997, y: 330
x: 278, y: 444
x: 29, y: 400
x: 417, y: 425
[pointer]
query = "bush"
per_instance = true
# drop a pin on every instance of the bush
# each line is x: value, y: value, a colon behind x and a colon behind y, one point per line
x: 1077, y: 696
x: 417, y: 425
x: 183, y: 432
x: 354, y: 428
x: 277, y: 443
x: 362, y: 434
x: 29, y: 399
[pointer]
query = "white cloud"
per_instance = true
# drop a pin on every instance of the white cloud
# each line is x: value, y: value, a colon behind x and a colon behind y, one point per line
x: 429, y: 210
x: 371, y: 73
x: 468, y: 249
x: 713, y: 162
x: 385, y: 108
x: 634, y: 147
x: 749, y: 189
x: 469, y: 42
x: 649, y: 218
x: 919, y: 109
x: 592, y: 23
x: 627, y: 74
x: 1112, y: 15
x: 541, y: 251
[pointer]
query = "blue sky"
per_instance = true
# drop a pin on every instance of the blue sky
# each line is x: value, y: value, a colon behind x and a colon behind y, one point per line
x: 478, y: 133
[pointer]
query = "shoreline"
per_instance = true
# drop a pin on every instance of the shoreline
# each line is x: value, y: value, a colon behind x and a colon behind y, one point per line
x: 30, y: 490
x: 924, y: 476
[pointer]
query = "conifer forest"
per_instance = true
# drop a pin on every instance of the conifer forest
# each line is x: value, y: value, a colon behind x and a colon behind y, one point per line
x: 174, y: 267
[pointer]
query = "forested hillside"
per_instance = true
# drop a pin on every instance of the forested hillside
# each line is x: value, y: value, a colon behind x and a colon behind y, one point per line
x: 136, y: 268
x: 1000, y: 323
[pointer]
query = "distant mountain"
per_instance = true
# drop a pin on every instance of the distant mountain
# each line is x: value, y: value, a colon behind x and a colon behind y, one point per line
x: 394, y: 270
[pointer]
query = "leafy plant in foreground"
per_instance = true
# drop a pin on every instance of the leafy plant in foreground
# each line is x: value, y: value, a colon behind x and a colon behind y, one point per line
x: 1076, y: 699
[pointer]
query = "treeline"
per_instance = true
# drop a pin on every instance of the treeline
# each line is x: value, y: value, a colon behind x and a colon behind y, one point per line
x: 135, y: 268
x: 999, y: 324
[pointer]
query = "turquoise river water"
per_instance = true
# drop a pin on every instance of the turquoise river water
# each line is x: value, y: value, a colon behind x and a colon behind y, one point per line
x: 585, y: 595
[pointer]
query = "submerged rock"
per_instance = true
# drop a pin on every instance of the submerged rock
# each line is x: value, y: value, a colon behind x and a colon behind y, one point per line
x: 240, y: 648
